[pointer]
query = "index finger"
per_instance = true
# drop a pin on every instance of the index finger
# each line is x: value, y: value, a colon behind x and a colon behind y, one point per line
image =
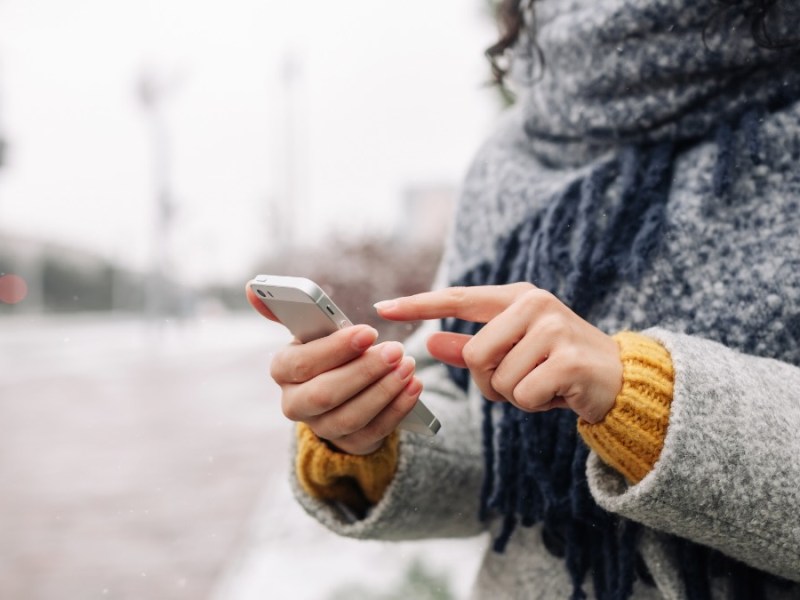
x: 480, y: 303
x: 259, y: 305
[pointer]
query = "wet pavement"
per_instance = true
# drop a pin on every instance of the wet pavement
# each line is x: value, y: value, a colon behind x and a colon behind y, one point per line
x: 131, y: 455
x: 150, y: 461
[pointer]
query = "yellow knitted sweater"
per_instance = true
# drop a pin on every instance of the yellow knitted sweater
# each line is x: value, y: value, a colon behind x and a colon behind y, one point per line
x: 629, y: 438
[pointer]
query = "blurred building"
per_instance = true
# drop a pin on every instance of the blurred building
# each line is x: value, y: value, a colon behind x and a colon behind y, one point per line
x: 63, y: 278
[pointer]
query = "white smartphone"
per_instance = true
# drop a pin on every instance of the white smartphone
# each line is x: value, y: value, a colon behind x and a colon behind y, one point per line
x: 307, y: 311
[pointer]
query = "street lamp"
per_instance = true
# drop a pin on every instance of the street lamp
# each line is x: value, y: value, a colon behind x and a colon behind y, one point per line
x: 152, y: 90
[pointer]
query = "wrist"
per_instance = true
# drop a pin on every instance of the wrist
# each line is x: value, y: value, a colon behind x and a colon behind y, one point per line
x: 631, y: 435
x: 609, y: 386
x: 354, y: 450
x: 329, y: 474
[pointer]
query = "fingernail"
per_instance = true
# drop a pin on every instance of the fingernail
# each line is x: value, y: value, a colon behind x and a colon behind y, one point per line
x: 364, y: 338
x: 385, y: 305
x: 392, y: 352
x: 414, y: 387
x: 406, y: 367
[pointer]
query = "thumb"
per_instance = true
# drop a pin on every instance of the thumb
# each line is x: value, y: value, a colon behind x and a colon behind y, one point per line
x: 448, y: 347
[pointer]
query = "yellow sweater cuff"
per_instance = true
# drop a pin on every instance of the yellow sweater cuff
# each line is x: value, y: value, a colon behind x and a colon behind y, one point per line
x: 631, y: 435
x: 357, y: 481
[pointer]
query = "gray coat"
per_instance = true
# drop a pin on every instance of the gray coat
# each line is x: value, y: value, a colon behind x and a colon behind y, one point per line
x: 722, y: 295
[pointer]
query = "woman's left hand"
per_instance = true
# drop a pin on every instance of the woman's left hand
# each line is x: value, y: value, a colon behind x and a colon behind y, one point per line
x: 533, y: 352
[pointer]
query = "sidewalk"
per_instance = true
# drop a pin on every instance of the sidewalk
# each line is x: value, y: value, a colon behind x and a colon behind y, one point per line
x: 137, y: 463
x: 130, y: 461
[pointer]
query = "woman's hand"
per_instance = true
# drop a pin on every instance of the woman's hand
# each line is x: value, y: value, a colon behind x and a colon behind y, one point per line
x: 533, y: 352
x: 349, y: 392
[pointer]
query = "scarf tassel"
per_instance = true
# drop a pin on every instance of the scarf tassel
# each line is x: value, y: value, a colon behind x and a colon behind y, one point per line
x: 535, y: 463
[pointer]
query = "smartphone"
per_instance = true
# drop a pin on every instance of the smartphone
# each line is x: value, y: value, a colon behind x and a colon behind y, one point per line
x: 307, y: 311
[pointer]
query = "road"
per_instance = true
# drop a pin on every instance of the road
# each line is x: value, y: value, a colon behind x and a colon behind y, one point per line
x: 142, y: 460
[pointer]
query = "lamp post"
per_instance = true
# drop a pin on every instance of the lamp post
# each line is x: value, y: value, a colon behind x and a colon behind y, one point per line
x: 152, y: 90
x: 287, y: 205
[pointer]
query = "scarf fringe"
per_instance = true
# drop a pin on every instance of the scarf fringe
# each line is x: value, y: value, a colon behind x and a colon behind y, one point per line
x: 535, y: 462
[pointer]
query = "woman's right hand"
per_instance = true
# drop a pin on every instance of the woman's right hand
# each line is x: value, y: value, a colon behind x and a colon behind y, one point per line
x: 349, y: 392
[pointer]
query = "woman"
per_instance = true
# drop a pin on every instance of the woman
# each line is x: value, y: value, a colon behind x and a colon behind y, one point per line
x: 625, y: 256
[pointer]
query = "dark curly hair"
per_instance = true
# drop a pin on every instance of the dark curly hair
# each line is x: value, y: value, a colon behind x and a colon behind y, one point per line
x: 511, y: 16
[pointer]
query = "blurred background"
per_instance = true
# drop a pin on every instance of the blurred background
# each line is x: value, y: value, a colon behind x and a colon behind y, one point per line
x: 154, y: 156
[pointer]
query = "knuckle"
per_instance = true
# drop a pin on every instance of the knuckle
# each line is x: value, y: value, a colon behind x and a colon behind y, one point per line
x: 547, y: 299
x: 580, y: 402
x: 523, y: 403
x: 487, y: 391
x: 345, y: 424
x: 324, y: 427
x: 323, y: 431
x: 457, y: 295
x: 378, y: 429
x: 500, y: 383
x: 371, y: 366
x: 571, y: 364
x: 526, y: 397
x: 320, y: 399
x: 551, y: 326
x: 277, y: 369
x: 523, y: 287
x: 526, y: 403
x: 289, y: 409
x: 300, y: 370
x: 537, y: 299
x: 472, y: 355
x: 288, y: 366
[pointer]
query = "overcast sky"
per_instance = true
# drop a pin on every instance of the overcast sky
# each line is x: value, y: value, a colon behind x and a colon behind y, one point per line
x: 385, y: 94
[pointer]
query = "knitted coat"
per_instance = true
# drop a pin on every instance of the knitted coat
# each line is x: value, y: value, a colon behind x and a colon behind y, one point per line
x: 711, y: 271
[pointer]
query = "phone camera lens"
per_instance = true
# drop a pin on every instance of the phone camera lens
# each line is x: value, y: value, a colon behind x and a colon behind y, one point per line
x: 260, y: 293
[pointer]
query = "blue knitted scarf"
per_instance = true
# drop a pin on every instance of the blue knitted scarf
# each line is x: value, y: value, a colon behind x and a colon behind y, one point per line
x: 535, y: 462
x: 628, y: 86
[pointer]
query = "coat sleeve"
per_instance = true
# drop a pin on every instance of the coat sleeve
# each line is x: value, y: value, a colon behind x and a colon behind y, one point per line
x: 728, y: 476
x: 435, y: 491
